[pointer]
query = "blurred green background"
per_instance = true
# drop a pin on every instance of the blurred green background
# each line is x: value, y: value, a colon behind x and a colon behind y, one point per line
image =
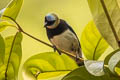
x: 31, y: 18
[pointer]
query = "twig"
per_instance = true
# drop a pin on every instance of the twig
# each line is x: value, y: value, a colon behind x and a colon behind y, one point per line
x: 110, y: 22
x: 37, y: 39
x: 72, y: 55
x: 21, y: 30
x: 10, y: 56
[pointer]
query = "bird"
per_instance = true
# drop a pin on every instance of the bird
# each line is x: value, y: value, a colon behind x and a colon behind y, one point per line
x: 61, y: 35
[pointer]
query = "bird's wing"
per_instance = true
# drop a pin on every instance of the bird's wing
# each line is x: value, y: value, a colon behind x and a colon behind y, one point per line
x: 73, y: 32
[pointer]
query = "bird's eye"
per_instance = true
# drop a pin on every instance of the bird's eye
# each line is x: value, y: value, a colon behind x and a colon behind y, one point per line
x: 49, y: 23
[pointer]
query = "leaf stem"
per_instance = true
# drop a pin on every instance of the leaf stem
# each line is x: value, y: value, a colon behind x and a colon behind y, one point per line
x: 96, y: 48
x: 21, y: 30
x: 110, y: 22
x: 39, y: 72
x: 10, y: 56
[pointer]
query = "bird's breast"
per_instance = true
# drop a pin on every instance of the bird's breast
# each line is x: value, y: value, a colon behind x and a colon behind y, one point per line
x: 64, y: 40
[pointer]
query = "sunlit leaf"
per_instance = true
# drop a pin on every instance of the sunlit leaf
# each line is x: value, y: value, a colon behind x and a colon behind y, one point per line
x: 52, y: 75
x: 117, y: 70
x: 102, y: 22
x: 82, y: 74
x: 4, y: 24
x: 48, y: 65
x: 92, y: 42
x: 15, y: 57
x: 13, y: 8
x: 2, y: 50
x: 96, y: 68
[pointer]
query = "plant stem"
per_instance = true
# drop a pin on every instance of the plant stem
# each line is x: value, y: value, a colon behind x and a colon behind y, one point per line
x: 37, y: 39
x: 110, y: 22
x: 21, y: 30
x: 39, y: 72
x: 10, y: 56
x: 96, y: 48
x: 72, y: 55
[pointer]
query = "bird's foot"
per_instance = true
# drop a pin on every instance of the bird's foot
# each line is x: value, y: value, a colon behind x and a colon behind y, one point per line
x: 59, y: 52
x: 55, y: 49
x: 80, y: 63
x: 77, y: 57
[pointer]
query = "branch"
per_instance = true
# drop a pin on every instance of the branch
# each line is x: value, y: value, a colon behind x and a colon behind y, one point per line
x: 21, y: 30
x: 10, y: 56
x: 110, y: 22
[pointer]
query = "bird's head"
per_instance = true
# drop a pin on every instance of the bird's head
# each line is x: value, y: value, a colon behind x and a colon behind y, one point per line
x: 51, y: 21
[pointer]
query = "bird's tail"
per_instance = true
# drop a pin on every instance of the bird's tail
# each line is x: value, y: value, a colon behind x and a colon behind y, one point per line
x: 79, y: 61
x: 79, y: 58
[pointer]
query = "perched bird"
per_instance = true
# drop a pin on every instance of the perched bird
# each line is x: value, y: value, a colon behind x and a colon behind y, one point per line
x: 61, y: 35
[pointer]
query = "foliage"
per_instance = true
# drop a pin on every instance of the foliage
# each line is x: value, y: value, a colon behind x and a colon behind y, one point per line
x: 92, y: 42
x: 48, y: 65
x: 101, y: 20
x: 10, y: 47
x: 10, y: 56
x: 5, y: 24
x: 82, y: 74
x: 13, y: 8
x: 51, y: 65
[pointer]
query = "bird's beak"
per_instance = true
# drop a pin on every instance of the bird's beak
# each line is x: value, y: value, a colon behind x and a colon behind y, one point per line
x: 45, y: 25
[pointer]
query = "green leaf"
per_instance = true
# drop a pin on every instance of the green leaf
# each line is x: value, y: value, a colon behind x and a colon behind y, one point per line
x: 92, y: 42
x: 15, y: 57
x: 114, y: 62
x: 101, y: 20
x: 82, y: 74
x: 109, y: 56
x: 96, y: 68
x: 2, y: 72
x: 52, y: 75
x: 2, y: 50
x: 117, y: 70
x: 13, y: 8
x: 48, y: 65
x: 6, y: 48
x: 4, y: 24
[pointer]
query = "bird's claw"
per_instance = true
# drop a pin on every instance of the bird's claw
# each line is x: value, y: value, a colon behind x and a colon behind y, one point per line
x: 59, y: 52
x: 55, y: 49
x: 77, y: 57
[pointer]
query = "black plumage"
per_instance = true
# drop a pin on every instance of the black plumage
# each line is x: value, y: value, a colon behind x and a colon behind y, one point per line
x: 60, y: 29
